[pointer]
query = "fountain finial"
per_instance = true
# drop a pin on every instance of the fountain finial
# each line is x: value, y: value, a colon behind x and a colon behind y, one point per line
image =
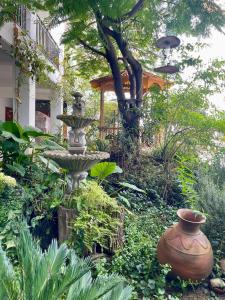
x: 78, y: 104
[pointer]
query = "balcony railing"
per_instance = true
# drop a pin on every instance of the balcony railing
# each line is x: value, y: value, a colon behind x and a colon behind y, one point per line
x: 43, y: 36
x: 45, y: 40
x: 22, y: 16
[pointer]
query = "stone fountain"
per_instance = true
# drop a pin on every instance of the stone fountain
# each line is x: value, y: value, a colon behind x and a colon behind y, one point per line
x: 77, y: 160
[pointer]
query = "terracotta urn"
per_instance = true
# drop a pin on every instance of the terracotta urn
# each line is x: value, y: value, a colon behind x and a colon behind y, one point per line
x: 185, y: 247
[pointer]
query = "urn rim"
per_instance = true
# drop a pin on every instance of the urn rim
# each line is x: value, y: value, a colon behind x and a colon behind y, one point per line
x: 191, y: 216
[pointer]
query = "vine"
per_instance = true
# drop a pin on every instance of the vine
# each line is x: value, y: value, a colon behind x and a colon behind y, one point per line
x: 28, y: 60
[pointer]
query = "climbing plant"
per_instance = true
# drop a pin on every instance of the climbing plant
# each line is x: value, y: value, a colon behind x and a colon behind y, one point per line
x: 28, y: 59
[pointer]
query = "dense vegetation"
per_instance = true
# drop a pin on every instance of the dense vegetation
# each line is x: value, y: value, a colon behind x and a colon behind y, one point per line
x: 122, y: 209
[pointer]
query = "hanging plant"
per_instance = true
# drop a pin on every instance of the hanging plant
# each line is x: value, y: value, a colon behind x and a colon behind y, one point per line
x: 28, y: 60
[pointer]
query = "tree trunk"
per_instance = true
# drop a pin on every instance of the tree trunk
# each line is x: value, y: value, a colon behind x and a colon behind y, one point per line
x: 129, y: 108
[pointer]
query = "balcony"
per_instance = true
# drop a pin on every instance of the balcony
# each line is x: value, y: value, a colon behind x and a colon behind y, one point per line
x: 43, y: 37
x: 46, y: 41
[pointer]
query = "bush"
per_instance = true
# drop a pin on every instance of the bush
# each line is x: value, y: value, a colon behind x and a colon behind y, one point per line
x: 34, y: 198
x: 137, y: 261
x: 150, y: 176
x: 54, y: 274
x: 212, y: 203
x: 97, y: 218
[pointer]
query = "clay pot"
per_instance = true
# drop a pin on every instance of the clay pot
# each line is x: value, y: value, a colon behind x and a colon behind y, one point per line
x: 185, y: 247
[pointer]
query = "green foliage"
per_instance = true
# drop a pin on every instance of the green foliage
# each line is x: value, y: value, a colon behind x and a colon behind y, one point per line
x: 6, y: 181
x: 54, y: 274
x: 137, y: 261
x: 34, y: 197
x: 12, y: 200
x: 131, y: 186
x: 97, y: 218
x: 29, y: 60
x: 200, y: 14
x: 149, y: 176
x: 188, y: 180
x: 182, y: 117
x: 104, y: 169
x: 19, y: 150
x: 211, y: 201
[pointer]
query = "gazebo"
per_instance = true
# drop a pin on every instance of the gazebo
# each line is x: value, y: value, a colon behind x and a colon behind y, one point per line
x: 106, y: 84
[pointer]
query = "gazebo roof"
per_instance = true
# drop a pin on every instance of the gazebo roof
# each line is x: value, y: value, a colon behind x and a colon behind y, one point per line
x: 106, y: 83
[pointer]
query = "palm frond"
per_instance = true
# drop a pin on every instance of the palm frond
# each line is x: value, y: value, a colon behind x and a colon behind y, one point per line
x: 119, y: 293
x: 9, y: 287
x: 54, y: 274
x: 98, y: 288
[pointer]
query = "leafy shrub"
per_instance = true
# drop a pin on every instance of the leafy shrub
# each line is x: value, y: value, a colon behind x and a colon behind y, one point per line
x: 137, y: 261
x: 6, y: 181
x: 149, y: 176
x: 34, y: 198
x: 19, y: 149
x: 12, y: 199
x: 54, y: 274
x: 187, y: 179
x: 97, y: 218
x: 212, y: 203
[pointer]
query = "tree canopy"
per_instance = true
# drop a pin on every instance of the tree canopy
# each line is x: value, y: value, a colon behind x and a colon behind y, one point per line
x: 122, y: 33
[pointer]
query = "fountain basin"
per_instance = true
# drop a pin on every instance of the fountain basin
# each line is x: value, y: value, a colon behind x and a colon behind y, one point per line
x: 76, y: 162
x: 76, y: 122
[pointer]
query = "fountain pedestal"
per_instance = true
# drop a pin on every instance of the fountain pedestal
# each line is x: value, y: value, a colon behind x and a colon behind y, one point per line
x: 66, y: 217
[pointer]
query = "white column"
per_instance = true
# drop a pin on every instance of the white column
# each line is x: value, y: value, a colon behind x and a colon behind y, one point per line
x: 24, y: 112
x: 31, y: 25
x: 26, y: 109
x: 56, y: 108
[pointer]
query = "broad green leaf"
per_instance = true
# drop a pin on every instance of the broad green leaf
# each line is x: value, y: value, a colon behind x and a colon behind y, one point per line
x: 132, y: 187
x: 50, y: 164
x: 118, y: 170
x: 9, y: 135
x: 13, y: 127
x: 19, y: 169
x: 103, y: 170
x: 48, y: 145
x: 10, y: 244
x: 124, y: 201
x: 34, y: 132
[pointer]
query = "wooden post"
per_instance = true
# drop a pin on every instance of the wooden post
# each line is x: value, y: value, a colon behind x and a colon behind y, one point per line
x: 102, y: 116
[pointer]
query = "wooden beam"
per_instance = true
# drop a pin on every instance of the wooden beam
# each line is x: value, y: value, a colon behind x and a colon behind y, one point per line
x: 102, y: 114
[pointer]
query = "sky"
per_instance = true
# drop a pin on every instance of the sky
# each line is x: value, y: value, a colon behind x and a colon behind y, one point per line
x: 216, y: 49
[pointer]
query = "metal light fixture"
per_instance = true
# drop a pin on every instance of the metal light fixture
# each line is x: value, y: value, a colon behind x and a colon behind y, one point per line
x: 167, y: 43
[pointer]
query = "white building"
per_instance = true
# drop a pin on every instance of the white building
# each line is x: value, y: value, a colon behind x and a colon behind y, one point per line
x: 37, y: 106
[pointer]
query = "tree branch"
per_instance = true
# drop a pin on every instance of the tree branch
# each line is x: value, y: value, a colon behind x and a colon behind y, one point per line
x: 138, y: 6
x: 94, y: 50
x: 134, y: 10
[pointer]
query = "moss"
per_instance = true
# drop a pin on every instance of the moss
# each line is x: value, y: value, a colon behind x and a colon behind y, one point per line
x: 97, y: 218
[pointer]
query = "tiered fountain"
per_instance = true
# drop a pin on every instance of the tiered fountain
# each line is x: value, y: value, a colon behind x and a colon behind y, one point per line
x: 76, y: 159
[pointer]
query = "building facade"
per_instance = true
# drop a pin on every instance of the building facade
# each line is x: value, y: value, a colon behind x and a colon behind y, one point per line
x: 37, y: 105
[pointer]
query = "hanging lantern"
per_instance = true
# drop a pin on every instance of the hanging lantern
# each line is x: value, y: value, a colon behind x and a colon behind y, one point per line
x: 168, y: 69
x: 167, y: 43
